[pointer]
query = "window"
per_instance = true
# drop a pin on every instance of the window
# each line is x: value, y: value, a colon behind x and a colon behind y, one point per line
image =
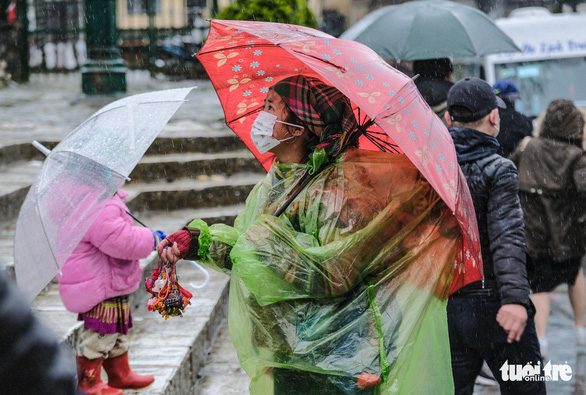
x: 141, y: 6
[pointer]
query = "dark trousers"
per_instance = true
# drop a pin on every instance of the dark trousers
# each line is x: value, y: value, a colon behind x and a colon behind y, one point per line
x: 476, y: 336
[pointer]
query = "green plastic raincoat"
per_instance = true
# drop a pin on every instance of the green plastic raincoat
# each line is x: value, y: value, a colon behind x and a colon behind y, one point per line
x: 351, y: 279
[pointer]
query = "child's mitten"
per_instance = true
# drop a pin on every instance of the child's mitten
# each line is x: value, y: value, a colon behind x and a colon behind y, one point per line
x: 158, y: 236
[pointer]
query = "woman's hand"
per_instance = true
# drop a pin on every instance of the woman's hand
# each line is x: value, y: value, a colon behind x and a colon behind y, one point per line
x: 168, y: 252
x: 175, y: 246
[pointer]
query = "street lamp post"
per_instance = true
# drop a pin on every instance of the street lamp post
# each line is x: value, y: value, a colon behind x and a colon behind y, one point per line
x: 104, y: 72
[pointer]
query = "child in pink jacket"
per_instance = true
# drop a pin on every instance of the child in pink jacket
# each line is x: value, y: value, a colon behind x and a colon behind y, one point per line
x: 95, y: 282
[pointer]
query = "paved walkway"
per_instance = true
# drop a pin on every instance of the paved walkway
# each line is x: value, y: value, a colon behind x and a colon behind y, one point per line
x: 52, y: 105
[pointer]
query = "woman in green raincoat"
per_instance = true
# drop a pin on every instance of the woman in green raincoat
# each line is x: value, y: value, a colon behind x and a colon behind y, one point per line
x: 340, y: 263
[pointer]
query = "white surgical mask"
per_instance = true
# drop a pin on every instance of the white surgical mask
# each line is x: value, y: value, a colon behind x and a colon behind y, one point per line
x: 262, y: 132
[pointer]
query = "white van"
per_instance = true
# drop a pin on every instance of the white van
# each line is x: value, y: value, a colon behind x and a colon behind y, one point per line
x: 552, y: 63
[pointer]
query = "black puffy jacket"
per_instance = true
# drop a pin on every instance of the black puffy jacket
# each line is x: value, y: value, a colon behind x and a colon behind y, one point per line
x: 33, y: 362
x: 494, y: 187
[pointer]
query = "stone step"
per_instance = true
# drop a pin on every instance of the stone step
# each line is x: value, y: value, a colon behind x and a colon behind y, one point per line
x: 20, y: 174
x: 185, y: 193
x: 222, y: 373
x: 176, y: 137
x: 191, y: 165
x: 204, y: 141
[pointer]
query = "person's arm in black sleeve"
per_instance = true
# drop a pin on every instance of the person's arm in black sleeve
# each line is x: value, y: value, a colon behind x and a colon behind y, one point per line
x: 33, y: 362
x: 507, y: 245
x: 507, y: 236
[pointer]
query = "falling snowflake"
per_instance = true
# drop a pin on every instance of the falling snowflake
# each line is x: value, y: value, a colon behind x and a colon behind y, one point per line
x: 254, y: 65
x: 237, y: 68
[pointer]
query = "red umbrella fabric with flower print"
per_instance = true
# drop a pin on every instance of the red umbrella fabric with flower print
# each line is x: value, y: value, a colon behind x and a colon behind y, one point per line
x: 244, y: 59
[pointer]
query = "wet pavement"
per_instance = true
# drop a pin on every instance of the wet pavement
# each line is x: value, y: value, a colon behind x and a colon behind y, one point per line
x: 51, y: 106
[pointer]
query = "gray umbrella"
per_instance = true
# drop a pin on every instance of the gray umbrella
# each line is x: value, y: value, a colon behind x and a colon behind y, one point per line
x: 429, y: 29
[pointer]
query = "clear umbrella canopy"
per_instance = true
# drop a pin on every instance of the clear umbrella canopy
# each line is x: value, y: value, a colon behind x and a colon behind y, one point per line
x: 79, y: 176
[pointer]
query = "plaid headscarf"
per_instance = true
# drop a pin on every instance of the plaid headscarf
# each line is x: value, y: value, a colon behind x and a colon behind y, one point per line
x: 325, y: 110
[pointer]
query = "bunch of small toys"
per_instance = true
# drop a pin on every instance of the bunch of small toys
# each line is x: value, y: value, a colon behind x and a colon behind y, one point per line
x: 168, y: 297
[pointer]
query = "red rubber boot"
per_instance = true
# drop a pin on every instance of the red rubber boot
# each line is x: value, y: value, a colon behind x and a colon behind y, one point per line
x: 121, y: 376
x: 89, y: 380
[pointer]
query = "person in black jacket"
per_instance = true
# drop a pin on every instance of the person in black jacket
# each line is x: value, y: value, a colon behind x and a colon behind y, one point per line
x: 33, y: 362
x: 514, y: 125
x: 434, y: 82
x: 490, y: 320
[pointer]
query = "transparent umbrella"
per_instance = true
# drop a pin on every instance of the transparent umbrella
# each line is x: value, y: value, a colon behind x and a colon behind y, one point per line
x: 79, y: 176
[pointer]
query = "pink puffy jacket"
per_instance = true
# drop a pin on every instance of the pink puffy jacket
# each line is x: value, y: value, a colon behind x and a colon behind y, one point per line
x: 105, y: 262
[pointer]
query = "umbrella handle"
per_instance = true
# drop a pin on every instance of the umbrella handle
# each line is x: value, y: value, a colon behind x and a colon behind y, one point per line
x: 46, y: 151
x: 205, y: 273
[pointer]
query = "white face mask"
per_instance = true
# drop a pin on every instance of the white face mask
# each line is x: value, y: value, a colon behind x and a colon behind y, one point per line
x: 262, y: 132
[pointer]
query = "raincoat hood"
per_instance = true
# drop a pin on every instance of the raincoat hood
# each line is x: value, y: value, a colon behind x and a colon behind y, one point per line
x: 563, y: 121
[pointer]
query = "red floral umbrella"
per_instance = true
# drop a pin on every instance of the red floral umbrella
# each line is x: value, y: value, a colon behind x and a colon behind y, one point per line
x: 244, y: 59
